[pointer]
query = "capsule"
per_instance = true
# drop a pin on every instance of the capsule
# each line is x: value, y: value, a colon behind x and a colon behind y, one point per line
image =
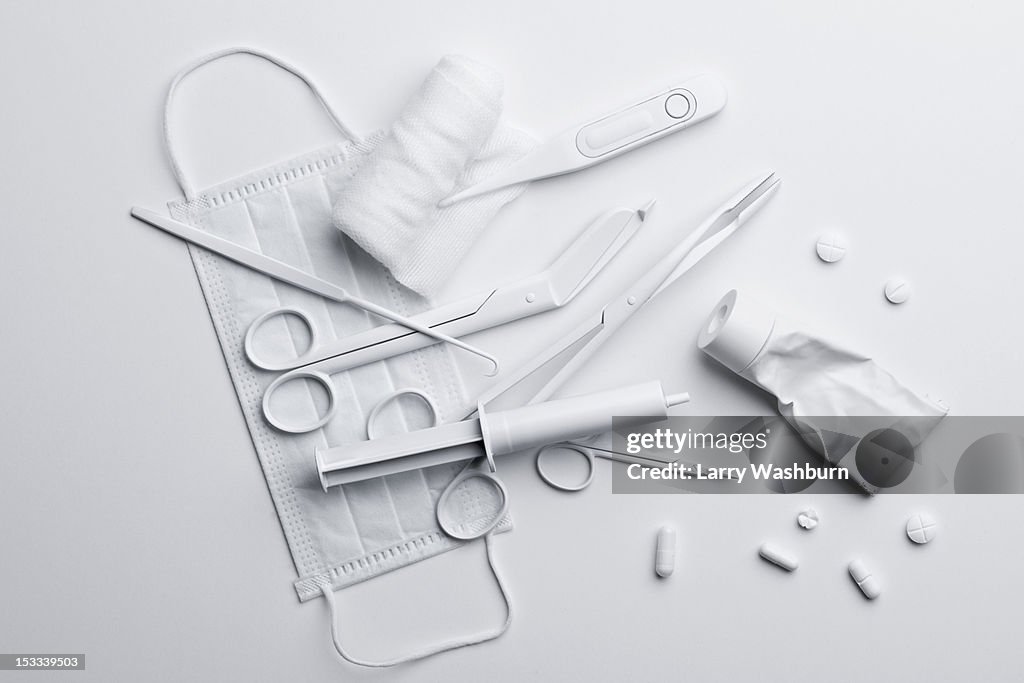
x: 665, y: 557
x: 778, y: 557
x: 865, y: 580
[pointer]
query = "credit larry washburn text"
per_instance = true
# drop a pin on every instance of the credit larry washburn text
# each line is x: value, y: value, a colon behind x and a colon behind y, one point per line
x: 675, y: 470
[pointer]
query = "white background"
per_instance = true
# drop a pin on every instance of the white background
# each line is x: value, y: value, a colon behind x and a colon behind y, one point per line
x: 135, y: 523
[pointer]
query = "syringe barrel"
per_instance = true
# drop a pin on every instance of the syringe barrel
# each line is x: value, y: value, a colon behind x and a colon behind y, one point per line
x: 518, y: 429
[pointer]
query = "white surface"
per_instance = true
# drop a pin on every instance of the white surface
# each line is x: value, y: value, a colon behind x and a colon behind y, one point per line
x: 137, y: 525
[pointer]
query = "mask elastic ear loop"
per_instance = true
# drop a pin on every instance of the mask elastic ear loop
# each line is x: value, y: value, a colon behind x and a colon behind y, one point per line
x: 436, y: 649
x: 186, y: 186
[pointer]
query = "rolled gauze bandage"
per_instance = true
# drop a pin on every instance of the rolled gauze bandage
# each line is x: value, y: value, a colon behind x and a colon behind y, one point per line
x: 821, y: 386
x: 448, y: 136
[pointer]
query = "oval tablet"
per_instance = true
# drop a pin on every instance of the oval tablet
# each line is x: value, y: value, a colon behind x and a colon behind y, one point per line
x: 865, y: 580
x: 665, y: 556
x: 778, y: 557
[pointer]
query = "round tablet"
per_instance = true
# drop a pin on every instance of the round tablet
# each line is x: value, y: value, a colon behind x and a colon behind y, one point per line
x: 921, y: 528
x: 897, y: 290
x: 831, y: 247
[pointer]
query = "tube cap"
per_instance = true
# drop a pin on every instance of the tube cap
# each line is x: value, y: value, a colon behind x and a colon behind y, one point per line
x: 736, y: 331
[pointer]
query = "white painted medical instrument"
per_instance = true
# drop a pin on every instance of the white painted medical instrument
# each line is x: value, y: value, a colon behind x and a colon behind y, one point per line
x: 537, y: 380
x: 556, y: 286
x: 501, y: 432
x: 608, y: 136
x: 778, y: 557
x: 921, y: 528
x: 293, y: 276
x: 865, y: 580
x: 665, y: 554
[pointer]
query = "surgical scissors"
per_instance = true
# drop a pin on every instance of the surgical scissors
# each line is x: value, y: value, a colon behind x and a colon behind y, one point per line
x: 538, y: 379
x: 556, y: 286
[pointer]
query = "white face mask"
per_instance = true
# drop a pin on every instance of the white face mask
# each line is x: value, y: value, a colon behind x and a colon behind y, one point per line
x: 817, y: 383
x: 357, y: 531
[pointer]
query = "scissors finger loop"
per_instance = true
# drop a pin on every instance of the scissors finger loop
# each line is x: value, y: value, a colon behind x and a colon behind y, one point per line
x: 371, y: 419
x: 317, y: 377
x: 250, y: 335
x: 546, y: 476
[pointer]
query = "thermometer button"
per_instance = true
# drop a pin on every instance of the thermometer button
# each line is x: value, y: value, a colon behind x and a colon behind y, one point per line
x: 677, y: 106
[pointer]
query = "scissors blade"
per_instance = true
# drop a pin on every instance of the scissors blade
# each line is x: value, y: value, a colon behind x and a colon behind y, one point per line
x: 536, y: 380
x: 591, y: 252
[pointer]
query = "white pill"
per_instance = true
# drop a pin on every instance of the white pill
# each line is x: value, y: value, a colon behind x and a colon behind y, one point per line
x: 665, y: 556
x: 921, y: 528
x: 807, y: 519
x: 831, y: 247
x: 778, y: 557
x: 865, y: 580
x: 897, y: 290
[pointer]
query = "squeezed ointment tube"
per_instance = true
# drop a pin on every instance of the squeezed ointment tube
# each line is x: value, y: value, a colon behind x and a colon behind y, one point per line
x: 815, y: 380
x: 502, y: 432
